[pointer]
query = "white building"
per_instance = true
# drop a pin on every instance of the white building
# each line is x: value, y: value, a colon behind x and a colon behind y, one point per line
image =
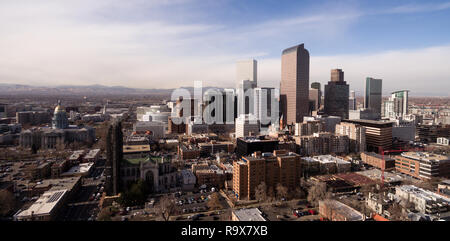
x: 442, y: 141
x: 155, y: 128
x: 250, y: 214
x: 330, y: 164
x: 246, y: 125
x: 425, y: 201
x: 45, y: 208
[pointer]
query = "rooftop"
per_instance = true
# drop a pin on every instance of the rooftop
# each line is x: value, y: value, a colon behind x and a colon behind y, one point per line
x: 344, y: 210
x: 44, y: 205
x: 251, y: 214
x: 425, y: 156
x: 135, y: 148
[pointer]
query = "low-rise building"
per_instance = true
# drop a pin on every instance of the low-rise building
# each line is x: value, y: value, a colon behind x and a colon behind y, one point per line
x: 188, y: 180
x: 378, y: 161
x: 423, y: 165
x: 336, y: 211
x: 424, y: 201
x: 250, y: 214
x: 46, y: 208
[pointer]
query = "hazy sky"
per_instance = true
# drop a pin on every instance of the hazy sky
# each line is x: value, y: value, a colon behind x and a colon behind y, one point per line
x: 172, y: 43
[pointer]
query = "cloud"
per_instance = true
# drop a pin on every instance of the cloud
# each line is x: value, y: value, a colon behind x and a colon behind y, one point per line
x: 135, y: 43
x: 423, y: 71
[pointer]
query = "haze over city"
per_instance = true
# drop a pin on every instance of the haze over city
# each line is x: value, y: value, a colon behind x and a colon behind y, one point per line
x: 169, y: 44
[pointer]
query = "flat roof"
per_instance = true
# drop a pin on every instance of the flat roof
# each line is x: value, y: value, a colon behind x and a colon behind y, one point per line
x: 44, y: 205
x: 350, y: 213
x: 250, y: 214
x: 425, y: 156
x: 92, y: 153
x: 375, y: 174
x: 369, y: 122
x: 135, y: 148
x: 80, y: 168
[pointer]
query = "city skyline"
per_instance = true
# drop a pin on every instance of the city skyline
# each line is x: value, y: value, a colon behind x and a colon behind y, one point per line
x: 139, y: 44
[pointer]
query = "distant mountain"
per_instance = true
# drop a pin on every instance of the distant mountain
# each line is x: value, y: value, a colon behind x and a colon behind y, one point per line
x: 81, y: 90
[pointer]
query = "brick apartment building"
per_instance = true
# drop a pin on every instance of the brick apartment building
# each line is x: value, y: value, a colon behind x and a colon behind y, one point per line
x: 280, y: 167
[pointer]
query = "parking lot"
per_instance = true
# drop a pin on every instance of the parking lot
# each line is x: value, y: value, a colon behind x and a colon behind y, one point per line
x: 285, y: 212
x: 195, y: 202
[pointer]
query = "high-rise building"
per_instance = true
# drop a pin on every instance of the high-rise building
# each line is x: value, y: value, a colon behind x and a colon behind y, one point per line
x: 372, y: 95
x: 308, y: 128
x: 378, y: 134
x: 246, y: 81
x: 316, y: 85
x: 280, y: 167
x: 294, y: 85
x: 397, y: 105
x: 356, y: 133
x: 352, y: 101
x: 114, y: 156
x: 337, y: 95
x: 246, y: 70
x: 314, y: 99
x: 263, y: 105
x: 247, y: 125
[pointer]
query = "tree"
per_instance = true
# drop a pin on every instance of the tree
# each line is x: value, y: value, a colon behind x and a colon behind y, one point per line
x: 282, y: 191
x: 135, y: 195
x: 396, y: 212
x: 214, y: 201
x: 165, y: 208
x: 261, y: 192
x: 318, y: 192
x: 7, y: 202
x: 270, y: 194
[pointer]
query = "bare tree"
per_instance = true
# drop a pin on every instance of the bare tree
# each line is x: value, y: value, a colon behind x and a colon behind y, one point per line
x: 214, y: 201
x: 165, y: 208
x: 318, y: 192
x: 396, y: 212
x: 7, y: 202
x: 261, y: 192
x: 282, y: 191
x: 270, y: 194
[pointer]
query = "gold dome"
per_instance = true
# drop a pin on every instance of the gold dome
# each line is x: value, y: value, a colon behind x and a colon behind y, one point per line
x: 59, y: 107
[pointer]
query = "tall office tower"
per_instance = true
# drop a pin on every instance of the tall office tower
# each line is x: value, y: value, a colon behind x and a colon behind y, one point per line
x: 294, y: 85
x: 337, y: 95
x: 246, y: 70
x: 314, y: 99
x: 246, y: 79
x: 114, y: 155
x: 263, y: 105
x: 352, y: 101
x: 397, y: 105
x: 372, y: 95
x: 316, y: 85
